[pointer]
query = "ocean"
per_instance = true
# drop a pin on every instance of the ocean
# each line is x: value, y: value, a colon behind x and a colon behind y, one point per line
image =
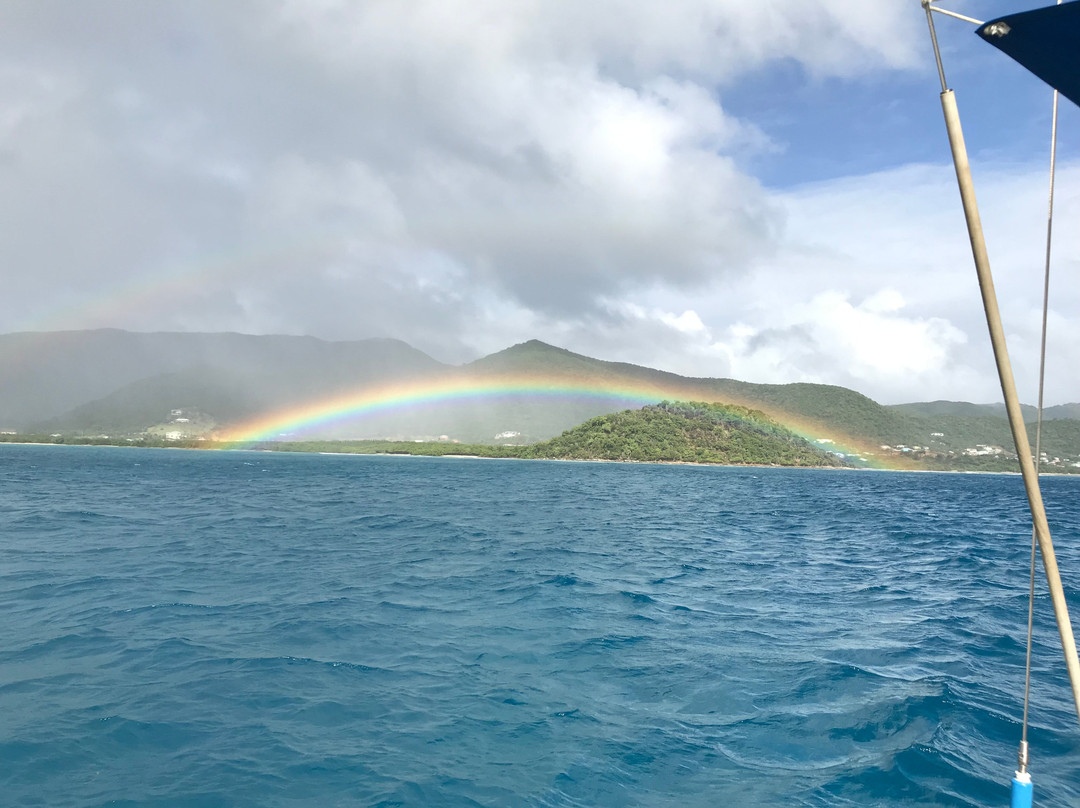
x: 183, y: 628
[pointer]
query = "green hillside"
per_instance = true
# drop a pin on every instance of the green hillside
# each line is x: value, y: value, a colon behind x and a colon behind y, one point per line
x: 937, y: 408
x: 958, y: 408
x: 834, y: 412
x: 123, y: 384
x: 691, y: 432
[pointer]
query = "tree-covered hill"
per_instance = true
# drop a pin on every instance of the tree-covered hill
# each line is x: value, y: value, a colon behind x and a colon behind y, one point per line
x: 91, y: 383
x: 692, y: 432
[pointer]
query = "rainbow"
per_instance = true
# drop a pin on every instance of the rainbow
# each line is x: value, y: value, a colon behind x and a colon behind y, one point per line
x: 323, y: 413
x: 294, y: 422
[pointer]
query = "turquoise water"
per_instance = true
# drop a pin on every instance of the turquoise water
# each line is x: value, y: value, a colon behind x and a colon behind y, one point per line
x: 253, y: 629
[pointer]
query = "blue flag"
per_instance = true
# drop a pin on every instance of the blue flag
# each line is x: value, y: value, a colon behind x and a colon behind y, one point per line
x: 1046, y: 41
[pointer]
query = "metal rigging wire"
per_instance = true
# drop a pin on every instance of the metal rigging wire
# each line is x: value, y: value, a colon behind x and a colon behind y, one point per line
x: 1022, y: 786
x: 1023, y: 756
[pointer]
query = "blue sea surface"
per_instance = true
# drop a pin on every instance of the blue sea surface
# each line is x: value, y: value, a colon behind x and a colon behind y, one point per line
x: 184, y: 628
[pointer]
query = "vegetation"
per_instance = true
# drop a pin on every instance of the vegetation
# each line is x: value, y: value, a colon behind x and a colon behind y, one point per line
x: 684, y: 432
x: 689, y: 432
x: 391, y: 447
x: 984, y: 463
x: 1054, y: 413
x: 142, y: 441
x: 96, y: 386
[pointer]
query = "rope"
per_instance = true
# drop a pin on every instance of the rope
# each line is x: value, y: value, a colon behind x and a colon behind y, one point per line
x: 1023, y: 757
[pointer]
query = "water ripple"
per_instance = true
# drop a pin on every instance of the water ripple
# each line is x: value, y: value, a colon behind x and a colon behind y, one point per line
x: 252, y: 629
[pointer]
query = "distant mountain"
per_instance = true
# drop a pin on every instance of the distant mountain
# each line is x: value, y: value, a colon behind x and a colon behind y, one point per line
x: 827, y: 409
x: 78, y: 380
x: 121, y: 383
x: 1058, y: 412
x: 965, y: 410
x: 536, y: 358
x: 146, y: 403
x: 582, y: 379
x: 958, y: 427
x: 961, y: 409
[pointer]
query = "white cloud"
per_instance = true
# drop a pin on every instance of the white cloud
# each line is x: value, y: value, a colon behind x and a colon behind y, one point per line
x: 465, y: 174
x: 874, y: 344
x: 688, y: 322
x: 874, y: 288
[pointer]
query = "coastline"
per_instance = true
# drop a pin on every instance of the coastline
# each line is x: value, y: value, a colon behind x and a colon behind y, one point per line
x: 212, y: 448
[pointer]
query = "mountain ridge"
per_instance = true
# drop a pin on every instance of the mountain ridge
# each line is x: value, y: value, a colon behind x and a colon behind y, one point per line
x: 140, y: 378
x: 44, y: 375
x: 967, y: 409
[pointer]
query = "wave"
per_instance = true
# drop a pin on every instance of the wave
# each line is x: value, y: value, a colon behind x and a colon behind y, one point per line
x: 377, y: 632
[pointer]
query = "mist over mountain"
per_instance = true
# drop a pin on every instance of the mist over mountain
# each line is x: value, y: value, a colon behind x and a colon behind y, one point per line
x: 79, y: 379
x: 120, y: 383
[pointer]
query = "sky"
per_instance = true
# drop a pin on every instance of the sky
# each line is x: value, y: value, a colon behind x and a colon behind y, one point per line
x: 758, y: 190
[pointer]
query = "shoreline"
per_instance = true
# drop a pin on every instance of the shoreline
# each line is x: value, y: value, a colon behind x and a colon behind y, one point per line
x: 212, y: 448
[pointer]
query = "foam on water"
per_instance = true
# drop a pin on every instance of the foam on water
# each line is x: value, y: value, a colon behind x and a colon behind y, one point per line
x: 253, y: 629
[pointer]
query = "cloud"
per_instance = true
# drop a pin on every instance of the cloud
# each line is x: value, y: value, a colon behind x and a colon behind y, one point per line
x: 876, y: 343
x: 556, y: 153
x: 873, y: 287
x: 465, y: 174
x: 904, y: 230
